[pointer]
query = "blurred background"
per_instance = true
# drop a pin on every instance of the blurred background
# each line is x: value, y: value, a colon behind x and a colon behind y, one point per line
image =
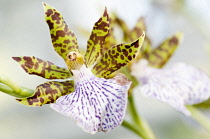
x: 24, y: 32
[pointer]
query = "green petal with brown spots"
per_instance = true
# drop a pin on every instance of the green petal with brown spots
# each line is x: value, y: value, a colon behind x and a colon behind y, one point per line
x: 63, y: 39
x: 145, y: 49
x: 117, y: 57
x: 48, y: 93
x: 97, y: 39
x: 135, y: 33
x: 159, y: 56
x: 45, y: 69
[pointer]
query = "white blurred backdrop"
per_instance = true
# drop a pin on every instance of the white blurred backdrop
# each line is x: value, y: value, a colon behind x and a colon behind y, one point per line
x: 23, y: 31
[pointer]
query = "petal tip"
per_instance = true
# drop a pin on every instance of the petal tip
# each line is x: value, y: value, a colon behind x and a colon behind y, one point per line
x: 18, y: 59
x: 121, y: 79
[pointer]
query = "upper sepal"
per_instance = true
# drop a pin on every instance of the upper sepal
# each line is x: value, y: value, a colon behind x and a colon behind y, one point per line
x: 97, y: 39
x: 47, y: 93
x: 45, y: 69
x: 117, y: 57
x: 63, y: 38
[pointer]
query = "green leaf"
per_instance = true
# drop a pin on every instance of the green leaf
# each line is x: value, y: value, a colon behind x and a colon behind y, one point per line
x: 48, y: 93
x: 159, y: 56
x: 97, y: 39
x: 63, y: 38
x: 45, y: 69
x: 117, y: 57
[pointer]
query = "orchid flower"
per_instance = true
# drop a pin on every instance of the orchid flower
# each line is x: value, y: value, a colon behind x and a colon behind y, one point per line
x: 90, y: 95
x: 178, y: 86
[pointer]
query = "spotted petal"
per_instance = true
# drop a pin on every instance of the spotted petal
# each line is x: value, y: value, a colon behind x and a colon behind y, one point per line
x: 48, y: 92
x: 63, y: 38
x: 45, y: 69
x: 97, y: 104
x: 178, y: 86
x: 97, y: 39
x: 117, y: 57
x: 159, y: 56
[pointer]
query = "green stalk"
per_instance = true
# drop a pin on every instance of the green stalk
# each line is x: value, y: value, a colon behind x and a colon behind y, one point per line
x: 11, y: 88
x: 131, y: 127
x: 200, y: 118
x: 141, y: 125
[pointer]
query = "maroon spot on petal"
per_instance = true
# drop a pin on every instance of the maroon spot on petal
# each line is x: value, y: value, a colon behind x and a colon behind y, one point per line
x: 63, y: 50
x: 60, y: 33
x: 50, y: 24
x: 28, y: 62
x: 36, y: 66
x: 41, y: 100
x: 173, y: 41
x: 66, y: 41
x: 49, y: 12
x: 56, y: 17
x: 130, y: 57
x: 18, y: 59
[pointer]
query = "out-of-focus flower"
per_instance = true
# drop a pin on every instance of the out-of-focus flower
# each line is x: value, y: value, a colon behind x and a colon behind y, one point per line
x: 178, y: 85
x: 156, y: 57
x: 95, y: 100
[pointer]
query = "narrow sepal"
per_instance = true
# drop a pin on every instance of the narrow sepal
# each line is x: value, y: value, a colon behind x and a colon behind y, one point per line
x: 139, y: 28
x: 117, y: 57
x: 45, y: 69
x: 159, y: 56
x: 63, y: 39
x: 47, y: 93
x: 110, y: 40
x: 97, y: 39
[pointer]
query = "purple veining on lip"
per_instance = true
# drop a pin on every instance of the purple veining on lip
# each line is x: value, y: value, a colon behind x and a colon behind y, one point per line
x: 97, y: 104
x: 178, y: 85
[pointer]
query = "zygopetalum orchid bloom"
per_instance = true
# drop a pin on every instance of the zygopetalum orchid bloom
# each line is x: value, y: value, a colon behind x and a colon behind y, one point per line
x: 89, y: 95
x: 178, y: 85
x: 157, y: 57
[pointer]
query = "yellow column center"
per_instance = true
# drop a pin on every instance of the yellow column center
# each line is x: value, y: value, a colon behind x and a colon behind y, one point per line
x: 74, y: 60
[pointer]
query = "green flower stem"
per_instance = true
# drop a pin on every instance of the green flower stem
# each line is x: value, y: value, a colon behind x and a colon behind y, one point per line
x: 199, y: 117
x: 131, y: 127
x: 11, y: 88
x: 133, y: 111
x: 5, y: 80
x: 141, y: 125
